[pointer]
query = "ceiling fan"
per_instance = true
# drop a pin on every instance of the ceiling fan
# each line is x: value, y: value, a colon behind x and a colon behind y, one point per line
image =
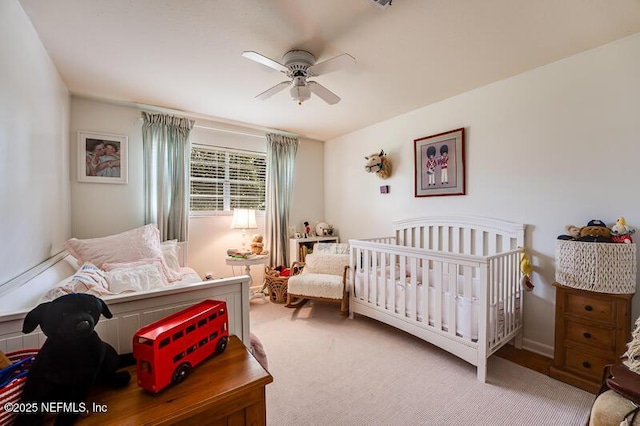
x: 299, y: 65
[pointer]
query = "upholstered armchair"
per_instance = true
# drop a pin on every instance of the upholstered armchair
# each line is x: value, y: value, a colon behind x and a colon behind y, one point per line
x: 324, y: 277
x: 618, y: 402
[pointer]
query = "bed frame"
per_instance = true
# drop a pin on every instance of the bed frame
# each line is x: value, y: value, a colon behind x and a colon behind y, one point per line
x: 130, y: 311
x: 479, y: 257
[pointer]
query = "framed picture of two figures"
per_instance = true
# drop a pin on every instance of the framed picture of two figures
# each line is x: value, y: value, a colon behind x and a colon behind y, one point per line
x: 439, y: 164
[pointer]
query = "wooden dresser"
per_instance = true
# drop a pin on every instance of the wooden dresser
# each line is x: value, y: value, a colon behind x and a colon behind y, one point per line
x: 228, y: 389
x: 592, y: 330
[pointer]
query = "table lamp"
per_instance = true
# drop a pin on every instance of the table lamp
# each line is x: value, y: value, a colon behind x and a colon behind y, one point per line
x: 244, y: 219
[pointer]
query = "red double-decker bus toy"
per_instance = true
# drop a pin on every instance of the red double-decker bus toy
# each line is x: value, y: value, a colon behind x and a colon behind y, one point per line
x: 166, y: 350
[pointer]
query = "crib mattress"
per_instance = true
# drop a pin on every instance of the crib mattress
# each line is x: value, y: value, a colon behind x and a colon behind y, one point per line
x: 465, y: 309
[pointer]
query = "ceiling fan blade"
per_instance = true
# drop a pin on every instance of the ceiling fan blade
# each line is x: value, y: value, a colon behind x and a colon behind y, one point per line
x: 261, y: 59
x: 275, y: 89
x: 334, y: 64
x: 323, y: 93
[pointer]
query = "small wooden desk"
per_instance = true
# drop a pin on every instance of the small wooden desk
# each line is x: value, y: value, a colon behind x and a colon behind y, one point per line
x: 228, y: 389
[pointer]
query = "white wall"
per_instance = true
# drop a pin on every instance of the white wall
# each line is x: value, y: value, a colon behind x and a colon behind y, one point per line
x: 34, y: 153
x: 99, y: 209
x: 103, y: 209
x: 554, y: 146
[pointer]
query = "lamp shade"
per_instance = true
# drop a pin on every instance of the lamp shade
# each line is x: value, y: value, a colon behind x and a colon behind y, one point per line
x: 244, y: 219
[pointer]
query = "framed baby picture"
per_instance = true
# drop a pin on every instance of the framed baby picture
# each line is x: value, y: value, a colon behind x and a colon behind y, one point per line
x: 439, y: 164
x: 102, y: 158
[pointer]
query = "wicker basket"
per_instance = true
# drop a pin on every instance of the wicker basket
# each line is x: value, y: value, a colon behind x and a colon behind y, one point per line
x: 12, y: 381
x: 600, y: 267
x: 276, y: 284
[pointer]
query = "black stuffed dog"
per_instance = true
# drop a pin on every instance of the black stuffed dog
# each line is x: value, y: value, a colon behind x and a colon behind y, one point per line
x: 71, y: 360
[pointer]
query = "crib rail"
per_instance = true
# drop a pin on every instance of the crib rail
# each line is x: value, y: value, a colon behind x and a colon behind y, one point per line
x: 460, y: 234
x: 505, y: 292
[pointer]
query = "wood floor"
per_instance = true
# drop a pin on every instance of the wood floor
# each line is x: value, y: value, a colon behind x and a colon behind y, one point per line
x: 526, y: 359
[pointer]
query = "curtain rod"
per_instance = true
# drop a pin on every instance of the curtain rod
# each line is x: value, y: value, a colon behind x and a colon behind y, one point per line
x: 238, y: 132
x: 205, y: 145
x: 230, y: 131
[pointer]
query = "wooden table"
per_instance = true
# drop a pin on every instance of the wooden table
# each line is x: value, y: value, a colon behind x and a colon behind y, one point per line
x: 228, y: 389
x: 247, y: 263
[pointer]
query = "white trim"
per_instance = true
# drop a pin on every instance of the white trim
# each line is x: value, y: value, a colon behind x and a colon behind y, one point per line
x: 31, y: 273
x: 537, y: 348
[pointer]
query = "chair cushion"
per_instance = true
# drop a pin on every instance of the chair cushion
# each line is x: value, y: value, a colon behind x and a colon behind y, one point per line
x: 319, y: 263
x: 610, y: 408
x: 316, y: 285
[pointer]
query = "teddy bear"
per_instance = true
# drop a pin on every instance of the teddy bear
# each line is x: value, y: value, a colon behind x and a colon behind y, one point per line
x: 257, y: 244
x: 595, y: 232
x: 72, y: 359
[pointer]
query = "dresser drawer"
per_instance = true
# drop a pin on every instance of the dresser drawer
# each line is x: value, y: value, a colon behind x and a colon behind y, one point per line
x: 590, y: 335
x: 591, y: 331
x: 585, y: 363
x: 591, y: 308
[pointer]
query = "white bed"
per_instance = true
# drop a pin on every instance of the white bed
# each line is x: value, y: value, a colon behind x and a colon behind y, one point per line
x: 130, y: 310
x: 471, y: 268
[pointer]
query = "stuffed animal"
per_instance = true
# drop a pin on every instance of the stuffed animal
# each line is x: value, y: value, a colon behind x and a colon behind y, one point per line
x: 621, y: 233
x: 595, y: 232
x: 72, y: 358
x: 257, y: 244
x: 526, y: 268
x: 573, y: 233
x: 379, y: 164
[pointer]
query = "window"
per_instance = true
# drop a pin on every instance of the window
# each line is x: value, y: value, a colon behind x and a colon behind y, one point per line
x: 223, y: 179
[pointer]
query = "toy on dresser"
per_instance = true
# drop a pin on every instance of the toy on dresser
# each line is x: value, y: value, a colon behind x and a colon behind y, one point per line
x: 597, y: 231
x: 621, y: 233
x: 72, y: 359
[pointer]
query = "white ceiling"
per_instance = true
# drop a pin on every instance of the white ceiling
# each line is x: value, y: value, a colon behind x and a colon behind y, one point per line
x: 186, y: 54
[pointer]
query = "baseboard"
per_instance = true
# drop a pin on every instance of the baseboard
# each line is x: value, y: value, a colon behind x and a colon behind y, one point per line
x: 537, y: 348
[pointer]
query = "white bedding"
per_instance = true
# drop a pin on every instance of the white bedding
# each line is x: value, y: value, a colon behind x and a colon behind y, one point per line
x: 89, y: 279
x: 466, y: 307
x: 129, y: 262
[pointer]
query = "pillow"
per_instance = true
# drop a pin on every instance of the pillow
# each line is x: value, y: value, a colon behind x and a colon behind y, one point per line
x: 632, y: 355
x: 170, y: 252
x: 318, y: 263
x: 129, y: 246
x: 135, y: 276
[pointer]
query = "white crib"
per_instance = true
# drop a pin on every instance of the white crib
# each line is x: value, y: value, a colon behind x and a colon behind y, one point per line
x: 453, y: 281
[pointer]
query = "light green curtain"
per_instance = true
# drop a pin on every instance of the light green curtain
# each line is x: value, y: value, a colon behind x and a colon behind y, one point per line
x: 166, y: 149
x: 281, y: 156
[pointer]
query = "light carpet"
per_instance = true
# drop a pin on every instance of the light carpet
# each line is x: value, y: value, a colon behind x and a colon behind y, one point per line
x: 331, y: 370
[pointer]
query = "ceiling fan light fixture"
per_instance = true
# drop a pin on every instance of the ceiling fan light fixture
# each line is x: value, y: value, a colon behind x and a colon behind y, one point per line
x: 300, y: 93
x: 299, y: 65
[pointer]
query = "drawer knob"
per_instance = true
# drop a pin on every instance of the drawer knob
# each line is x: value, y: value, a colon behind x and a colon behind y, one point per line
x: 587, y: 335
x: 586, y: 364
x: 588, y: 308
